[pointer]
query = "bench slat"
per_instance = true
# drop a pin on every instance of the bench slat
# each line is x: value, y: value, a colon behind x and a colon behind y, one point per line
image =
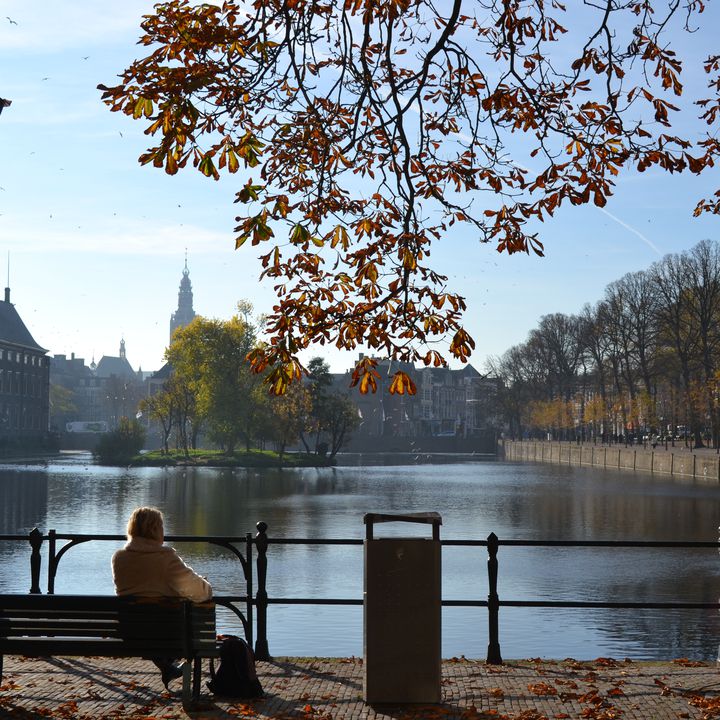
x: 84, y: 647
x: 84, y: 603
x: 119, y: 627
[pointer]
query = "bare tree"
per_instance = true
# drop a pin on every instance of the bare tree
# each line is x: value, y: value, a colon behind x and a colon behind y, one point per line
x: 679, y: 325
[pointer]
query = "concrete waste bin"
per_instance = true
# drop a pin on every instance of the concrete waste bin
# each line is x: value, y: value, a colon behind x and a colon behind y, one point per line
x: 401, y: 613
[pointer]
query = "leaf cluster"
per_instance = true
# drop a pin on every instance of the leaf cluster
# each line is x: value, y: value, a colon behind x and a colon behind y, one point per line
x: 366, y: 129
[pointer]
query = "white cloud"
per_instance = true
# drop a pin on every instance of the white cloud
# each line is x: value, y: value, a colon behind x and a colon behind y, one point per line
x: 126, y: 237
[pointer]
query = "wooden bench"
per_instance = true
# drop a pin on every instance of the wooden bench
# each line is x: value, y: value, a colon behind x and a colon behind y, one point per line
x: 108, y: 626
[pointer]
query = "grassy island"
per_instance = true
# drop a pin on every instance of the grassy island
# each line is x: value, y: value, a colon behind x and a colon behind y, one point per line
x: 218, y: 458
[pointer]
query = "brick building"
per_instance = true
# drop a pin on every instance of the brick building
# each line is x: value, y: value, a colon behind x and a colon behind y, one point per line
x: 24, y: 382
x: 453, y: 410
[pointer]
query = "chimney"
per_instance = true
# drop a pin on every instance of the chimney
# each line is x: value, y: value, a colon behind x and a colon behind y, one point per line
x: 7, y: 294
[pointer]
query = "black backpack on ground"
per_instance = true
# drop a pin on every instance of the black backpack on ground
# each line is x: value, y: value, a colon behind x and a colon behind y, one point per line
x: 236, y: 676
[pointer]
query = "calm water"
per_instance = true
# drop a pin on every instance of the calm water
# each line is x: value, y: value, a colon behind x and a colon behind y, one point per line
x: 516, y: 501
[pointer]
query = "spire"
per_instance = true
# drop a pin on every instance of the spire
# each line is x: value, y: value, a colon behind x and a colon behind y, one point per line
x: 185, y: 313
x: 7, y: 287
x: 122, y: 348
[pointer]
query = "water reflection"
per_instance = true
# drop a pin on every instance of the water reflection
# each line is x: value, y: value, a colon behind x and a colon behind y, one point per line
x: 519, y: 501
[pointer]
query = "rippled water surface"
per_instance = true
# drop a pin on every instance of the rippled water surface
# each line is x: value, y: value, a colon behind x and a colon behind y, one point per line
x: 516, y: 501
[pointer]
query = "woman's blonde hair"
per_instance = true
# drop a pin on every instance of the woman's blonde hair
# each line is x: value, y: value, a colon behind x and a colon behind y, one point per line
x: 146, y: 522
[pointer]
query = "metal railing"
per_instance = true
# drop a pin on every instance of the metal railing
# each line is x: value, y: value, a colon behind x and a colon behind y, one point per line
x: 58, y: 544
x: 254, y: 616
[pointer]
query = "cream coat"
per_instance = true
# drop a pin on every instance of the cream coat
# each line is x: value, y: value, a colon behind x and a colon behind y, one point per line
x: 150, y: 569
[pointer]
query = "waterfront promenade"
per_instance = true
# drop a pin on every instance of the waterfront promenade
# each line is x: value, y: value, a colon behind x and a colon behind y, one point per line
x: 317, y: 689
x: 678, y: 460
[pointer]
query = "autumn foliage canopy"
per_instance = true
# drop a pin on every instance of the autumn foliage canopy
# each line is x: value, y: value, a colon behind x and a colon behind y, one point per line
x: 362, y: 131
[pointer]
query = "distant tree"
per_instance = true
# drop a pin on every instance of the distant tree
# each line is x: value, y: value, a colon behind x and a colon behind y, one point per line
x: 340, y: 419
x: 558, y: 339
x: 172, y: 407
x: 595, y: 345
x: 595, y: 413
x: 121, y: 445
x: 374, y: 126
x: 523, y: 380
x: 288, y: 416
x: 190, y: 416
x: 159, y: 407
x: 680, y: 329
x: 209, y: 359
x: 703, y: 283
x: 318, y: 384
x: 122, y: 398
x: 62, y: 402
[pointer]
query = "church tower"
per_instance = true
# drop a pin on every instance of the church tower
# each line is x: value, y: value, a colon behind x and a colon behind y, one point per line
x: 184, y: 314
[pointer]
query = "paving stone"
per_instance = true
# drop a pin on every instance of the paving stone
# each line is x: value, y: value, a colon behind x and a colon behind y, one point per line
x: 331, y: 689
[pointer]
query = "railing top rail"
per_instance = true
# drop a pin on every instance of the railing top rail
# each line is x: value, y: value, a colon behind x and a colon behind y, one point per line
x: 518, y: 543
x: 315, y: 541
x: 360, y: 541
x: 171, y: 538
x: 612, y: 543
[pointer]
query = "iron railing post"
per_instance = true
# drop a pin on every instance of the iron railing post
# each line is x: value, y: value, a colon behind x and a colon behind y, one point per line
x: 52, y: 562
x: 262, y: 652
x: 35, y: 538
x: 493, y: 653
x: 249, y: 588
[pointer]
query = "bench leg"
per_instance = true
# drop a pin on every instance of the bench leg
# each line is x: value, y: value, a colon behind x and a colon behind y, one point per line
x: 197, y: 677
x: 186, y: 683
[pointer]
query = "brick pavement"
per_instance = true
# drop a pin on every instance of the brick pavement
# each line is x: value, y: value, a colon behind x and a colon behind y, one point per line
x: 322, y: 689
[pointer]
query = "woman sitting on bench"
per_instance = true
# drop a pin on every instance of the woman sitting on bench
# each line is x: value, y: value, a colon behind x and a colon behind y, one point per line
x: 146, y: 567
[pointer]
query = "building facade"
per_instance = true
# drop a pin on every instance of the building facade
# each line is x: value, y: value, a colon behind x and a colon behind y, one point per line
x: 452, y: 410
x: 102, y: 392
x: 24, y: 382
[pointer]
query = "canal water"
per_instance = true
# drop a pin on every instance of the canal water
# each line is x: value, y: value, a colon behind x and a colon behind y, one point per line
x: 516, y: 501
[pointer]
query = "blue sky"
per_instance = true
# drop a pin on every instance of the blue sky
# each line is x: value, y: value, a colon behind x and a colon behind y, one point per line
x: 97, y: 243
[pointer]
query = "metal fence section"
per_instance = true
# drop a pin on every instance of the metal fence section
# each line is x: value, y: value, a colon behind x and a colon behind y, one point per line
x: 58, y: 544
x: 254, y: 616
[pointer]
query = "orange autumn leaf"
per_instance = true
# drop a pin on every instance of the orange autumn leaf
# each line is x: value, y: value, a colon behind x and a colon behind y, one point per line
x: 402, y: 383
x: 542, y: 688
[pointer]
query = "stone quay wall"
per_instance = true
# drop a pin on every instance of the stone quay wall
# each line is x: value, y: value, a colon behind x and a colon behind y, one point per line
x: 673, y: 461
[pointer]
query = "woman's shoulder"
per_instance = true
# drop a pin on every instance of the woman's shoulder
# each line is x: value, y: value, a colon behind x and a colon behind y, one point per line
x: 144, y: 545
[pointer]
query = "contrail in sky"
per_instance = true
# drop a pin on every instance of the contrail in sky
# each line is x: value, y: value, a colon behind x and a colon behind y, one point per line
x: 646, y: 240
x: 616, y: 219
